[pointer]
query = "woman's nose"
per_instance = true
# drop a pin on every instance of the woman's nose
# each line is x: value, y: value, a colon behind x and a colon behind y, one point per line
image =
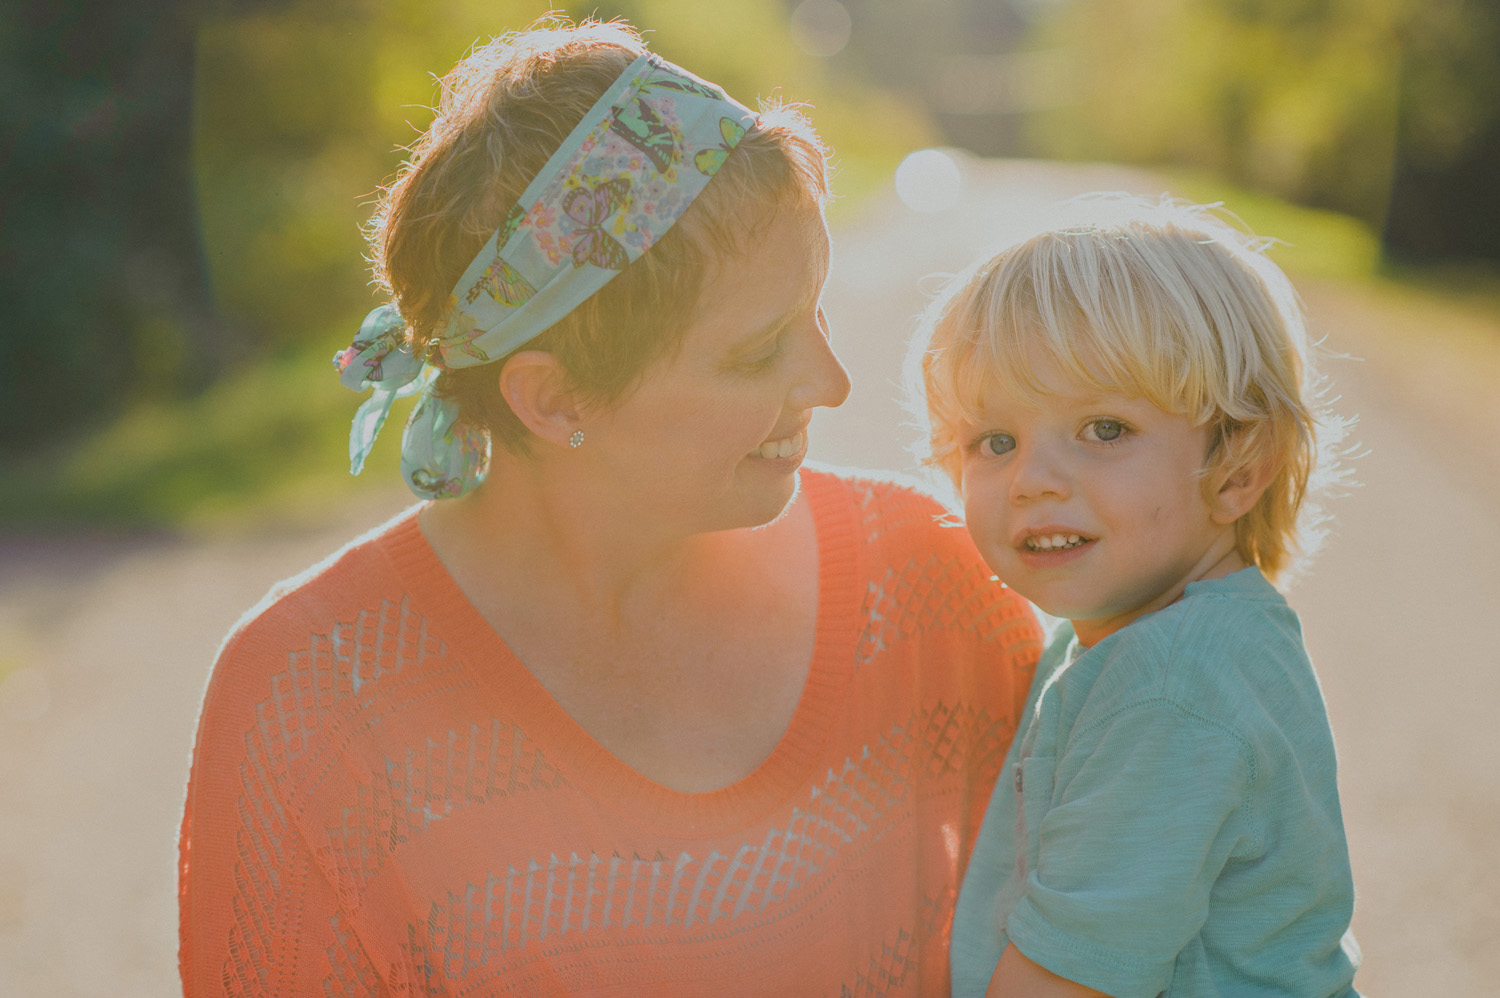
x: 822, y: 381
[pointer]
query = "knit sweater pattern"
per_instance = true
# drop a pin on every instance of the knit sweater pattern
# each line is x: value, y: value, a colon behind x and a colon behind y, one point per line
x: 383, y: 801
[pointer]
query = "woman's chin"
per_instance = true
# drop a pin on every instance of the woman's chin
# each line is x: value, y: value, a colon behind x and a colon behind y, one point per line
x: 762, y: 503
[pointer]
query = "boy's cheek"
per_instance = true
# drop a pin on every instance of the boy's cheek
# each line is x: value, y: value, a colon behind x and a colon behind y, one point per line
x: 987, y: 531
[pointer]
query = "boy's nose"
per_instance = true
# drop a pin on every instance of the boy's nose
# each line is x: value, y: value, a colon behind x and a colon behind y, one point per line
x: 1036, y: 473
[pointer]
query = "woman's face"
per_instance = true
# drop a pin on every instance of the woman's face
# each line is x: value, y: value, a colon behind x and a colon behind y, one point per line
x: 713, y: 436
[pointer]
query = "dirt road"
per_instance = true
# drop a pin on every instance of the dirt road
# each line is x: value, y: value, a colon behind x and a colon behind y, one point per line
x: 108, y: 639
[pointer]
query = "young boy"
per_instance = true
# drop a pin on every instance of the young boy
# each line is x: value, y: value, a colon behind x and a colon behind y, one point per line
x: 1127, y: 410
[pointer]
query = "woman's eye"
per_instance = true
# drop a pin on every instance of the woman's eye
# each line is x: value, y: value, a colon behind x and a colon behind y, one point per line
x: 995, y: 444
x: 1106, y: 430
x: 765, y: 358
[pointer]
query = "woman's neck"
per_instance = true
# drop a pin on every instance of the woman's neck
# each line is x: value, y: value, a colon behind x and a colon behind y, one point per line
x: 529, y: 533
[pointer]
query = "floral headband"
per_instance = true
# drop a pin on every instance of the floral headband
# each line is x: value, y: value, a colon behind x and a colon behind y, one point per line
x: 618, y: 182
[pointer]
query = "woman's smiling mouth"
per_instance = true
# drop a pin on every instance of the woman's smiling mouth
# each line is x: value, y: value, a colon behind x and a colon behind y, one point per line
x: 785, y: 447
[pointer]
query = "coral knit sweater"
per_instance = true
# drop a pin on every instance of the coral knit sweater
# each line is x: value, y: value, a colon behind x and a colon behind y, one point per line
x: 385, y: 802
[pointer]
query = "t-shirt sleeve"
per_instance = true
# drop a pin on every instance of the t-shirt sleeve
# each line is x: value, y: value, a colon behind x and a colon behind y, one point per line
x: 1146, y: 807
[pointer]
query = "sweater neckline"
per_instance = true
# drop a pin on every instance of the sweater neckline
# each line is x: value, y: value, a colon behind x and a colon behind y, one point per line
x: 603, y: 775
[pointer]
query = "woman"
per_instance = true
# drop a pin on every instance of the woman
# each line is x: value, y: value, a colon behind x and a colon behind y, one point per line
x: 634, y: 706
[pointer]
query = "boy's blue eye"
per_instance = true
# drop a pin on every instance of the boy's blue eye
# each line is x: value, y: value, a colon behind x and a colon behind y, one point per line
x: 1107, y: 429
x: 995, y: 444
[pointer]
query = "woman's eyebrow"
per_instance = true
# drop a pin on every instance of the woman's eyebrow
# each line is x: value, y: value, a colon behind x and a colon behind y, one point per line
x: 774, y: 326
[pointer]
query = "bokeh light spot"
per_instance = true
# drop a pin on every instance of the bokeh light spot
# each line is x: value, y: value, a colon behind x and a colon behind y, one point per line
x: 821, y: 27
x: 929, y: 180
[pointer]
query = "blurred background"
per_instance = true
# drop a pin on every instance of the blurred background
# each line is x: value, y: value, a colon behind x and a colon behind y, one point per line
x: 183, y: 185
x: 183, y: 182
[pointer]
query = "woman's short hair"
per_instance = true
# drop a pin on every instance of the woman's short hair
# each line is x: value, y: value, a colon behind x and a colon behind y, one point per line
x: 503, y: 110
x: 1159, y: 299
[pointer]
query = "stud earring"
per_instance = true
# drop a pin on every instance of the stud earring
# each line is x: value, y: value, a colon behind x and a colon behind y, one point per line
x: 576, y: 440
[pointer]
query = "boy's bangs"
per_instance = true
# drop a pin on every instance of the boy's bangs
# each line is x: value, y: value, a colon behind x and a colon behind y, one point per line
x: 1060, y: 302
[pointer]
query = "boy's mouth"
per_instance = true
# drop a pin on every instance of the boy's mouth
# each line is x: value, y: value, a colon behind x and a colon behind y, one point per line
x: 1054, y: 542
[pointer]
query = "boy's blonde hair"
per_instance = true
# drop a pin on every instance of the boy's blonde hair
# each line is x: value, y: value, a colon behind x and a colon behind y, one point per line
x: 1158, y: 299
x: 504, y: 109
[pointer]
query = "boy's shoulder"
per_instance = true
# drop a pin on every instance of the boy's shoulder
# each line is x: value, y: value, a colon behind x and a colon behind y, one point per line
x: 1223, y: 629
x: 1216, y: 651
x: 1238, y: 614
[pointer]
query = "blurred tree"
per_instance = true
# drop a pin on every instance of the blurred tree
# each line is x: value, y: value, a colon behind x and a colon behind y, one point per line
x: 300, y: 112
x: 101, y: 270
x: 1375, y: 108
x: 184, y: 182
x: 1445, y: 202
x: 1297, y: 97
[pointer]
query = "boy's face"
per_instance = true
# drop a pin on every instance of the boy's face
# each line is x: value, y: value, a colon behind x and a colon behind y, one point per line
x: 1090, y: 505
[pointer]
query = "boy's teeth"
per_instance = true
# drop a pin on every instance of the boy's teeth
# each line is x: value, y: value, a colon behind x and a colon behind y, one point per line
x: 1053, y: 542
x: 781, y: 448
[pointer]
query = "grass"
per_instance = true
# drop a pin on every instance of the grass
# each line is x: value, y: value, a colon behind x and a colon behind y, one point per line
x: 267, y: 442
x: 1309, y: 243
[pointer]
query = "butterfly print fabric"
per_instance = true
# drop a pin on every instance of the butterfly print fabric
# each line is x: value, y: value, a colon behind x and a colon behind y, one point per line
x: 621, y: 179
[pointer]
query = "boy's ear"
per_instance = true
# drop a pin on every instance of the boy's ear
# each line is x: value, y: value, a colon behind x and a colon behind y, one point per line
x: 1240, y: 489
x: 539, y: 393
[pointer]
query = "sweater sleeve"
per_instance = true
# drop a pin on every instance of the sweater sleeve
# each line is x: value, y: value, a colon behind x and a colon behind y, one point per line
x: 258, y: 914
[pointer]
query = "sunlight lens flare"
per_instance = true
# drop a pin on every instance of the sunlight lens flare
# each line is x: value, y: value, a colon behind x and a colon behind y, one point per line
x: 821, y: 27
x: 929, y: 181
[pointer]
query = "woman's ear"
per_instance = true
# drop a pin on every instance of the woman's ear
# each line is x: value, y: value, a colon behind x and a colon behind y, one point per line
x: 538, y: 391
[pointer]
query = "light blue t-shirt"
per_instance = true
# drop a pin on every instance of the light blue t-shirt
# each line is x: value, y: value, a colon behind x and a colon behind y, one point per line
x: 1167, y: 820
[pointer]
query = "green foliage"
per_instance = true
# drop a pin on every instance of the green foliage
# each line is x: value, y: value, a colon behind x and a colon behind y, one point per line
x: 270, y: 428
x: 299, y: 114
x: 1310, y: 242
x: 1450, y: 87
x: 100, y: 275
x: 1305, y: 98
x: 301, y: 111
